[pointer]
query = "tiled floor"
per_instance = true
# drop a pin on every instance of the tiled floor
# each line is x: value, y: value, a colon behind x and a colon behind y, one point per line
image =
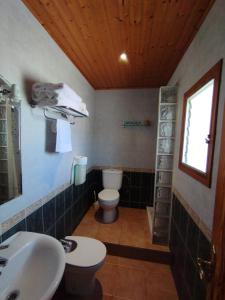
x: 129, y: 279
x: 131, y: 229
x: 124, y: 278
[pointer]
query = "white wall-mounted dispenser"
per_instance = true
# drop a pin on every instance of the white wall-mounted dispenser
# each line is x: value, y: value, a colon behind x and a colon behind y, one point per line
x: 79, y: 170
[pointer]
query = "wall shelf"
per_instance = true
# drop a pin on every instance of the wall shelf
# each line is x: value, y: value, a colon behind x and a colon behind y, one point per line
x: 136, y: 124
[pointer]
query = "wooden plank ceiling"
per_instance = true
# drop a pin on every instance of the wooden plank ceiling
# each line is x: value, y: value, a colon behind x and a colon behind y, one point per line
x: 93, y: 33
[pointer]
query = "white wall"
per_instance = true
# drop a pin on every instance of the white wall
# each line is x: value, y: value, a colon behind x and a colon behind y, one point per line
x: 127, y: 147
x: 206, y: 49
x: 29, y: 54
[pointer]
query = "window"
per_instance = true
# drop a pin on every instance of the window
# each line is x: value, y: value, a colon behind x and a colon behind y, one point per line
x: 199, y: 126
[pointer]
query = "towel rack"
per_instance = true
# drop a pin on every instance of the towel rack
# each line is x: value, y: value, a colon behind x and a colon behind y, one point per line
x: 53, y: 119
x: 64, y: 111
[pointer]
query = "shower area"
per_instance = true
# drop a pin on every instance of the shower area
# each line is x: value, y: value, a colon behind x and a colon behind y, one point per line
x: 135, y: 134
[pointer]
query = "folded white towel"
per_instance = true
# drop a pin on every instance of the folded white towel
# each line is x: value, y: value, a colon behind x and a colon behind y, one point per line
x: 65, y: 92
x: 63, y: 136
x: 48, y: 94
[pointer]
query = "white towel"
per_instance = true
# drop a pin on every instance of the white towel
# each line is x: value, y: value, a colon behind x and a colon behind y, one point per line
x: 48, y: 94
x: 65, y: 92
x: 63, y: 137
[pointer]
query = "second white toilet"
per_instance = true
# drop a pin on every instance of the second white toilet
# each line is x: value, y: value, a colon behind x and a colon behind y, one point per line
x: 109, y: 197
x: 81, y: 265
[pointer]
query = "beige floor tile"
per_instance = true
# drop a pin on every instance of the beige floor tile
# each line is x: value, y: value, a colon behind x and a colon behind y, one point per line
x: 133, y: 214
x: 130, y: 279
x: 109, y: 232
x: 111, y: 259
x: 130, y: 283
x: 131, y: 229
x: 158, y: 294
x: 107, y: 297
x: 160, y: 281
x: 89, y: 230
x: 106, y: 275
x: 137, y: 264
x: 133, y: 234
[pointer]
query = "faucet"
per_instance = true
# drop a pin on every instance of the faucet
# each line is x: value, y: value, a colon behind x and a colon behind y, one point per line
x: 2, y: 247
x: 3, y: 261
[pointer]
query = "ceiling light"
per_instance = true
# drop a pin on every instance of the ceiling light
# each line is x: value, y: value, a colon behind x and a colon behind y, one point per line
x: 123, y: 58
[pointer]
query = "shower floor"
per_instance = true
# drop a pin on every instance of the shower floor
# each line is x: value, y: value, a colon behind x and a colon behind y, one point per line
x: 130, y: 229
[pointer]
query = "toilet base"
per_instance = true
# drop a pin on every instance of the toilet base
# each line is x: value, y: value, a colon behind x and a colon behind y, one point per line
x: 81, y: 281
x: 107, y: 216
x: 95, y: 295
x: 78, y: 289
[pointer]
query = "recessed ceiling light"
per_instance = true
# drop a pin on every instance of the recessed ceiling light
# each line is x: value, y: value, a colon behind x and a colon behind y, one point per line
x: 123, y: 58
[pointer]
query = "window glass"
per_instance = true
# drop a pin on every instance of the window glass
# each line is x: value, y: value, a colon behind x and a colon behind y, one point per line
x: 197, y: 127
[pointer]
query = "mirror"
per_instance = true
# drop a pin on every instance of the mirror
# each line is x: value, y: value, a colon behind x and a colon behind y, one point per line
x: 10, y: 154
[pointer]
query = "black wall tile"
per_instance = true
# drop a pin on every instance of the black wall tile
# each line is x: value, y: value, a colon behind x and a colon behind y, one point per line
x: 187, y: 242
x: 137, y: 189
x: 66, y: 208
x: 60, y: 205
x: 126, y: 179
x: 49, y: 214
x: 204, y: 247
x: 190, y: 274
x: 192, y: 238
x: 68, y: 197
x: 21, y: 226
x: 35, y: 221
x: 51, y: 231
x: 68, y: 223
x: 200, y: 289
x: 60, y: 228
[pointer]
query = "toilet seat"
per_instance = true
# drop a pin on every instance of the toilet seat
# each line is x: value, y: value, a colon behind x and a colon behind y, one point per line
x: 108, y: 195
x: 88, y: 253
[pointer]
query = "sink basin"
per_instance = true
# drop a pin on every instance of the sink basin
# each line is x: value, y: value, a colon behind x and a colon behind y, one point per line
x: 34, y: 269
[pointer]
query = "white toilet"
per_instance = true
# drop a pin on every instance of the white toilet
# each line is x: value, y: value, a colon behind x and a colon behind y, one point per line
x: 109, y: 197
x: 82, y: 264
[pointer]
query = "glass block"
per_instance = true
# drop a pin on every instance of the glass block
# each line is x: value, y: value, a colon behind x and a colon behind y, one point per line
x: 164, y: 178
x: 161, y: 224
x: 163, y: 192
x: 165, y: 146
x: 160, y: 238
x: 168, y: 112
x: 165, y: 162
x: 2, y: 126
x: 162, y: 209
x: 2, y: 112
x: 168, y: 95
x: 3, y: 152
x: 3, y: 166
x: 3, y: 139
x: 166, y: 129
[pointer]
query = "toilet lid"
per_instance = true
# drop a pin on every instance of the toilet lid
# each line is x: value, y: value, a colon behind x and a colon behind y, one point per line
x: 108, y: 195
x: 89, y: 252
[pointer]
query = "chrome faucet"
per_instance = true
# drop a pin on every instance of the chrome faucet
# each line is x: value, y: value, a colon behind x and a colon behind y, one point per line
x: 2, y: 247
x: 3, y: 261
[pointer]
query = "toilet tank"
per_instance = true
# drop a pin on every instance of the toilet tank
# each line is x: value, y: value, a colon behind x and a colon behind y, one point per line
x: 112, y: 179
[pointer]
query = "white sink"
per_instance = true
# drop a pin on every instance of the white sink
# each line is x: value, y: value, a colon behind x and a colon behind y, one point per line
x: 34, y: 269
